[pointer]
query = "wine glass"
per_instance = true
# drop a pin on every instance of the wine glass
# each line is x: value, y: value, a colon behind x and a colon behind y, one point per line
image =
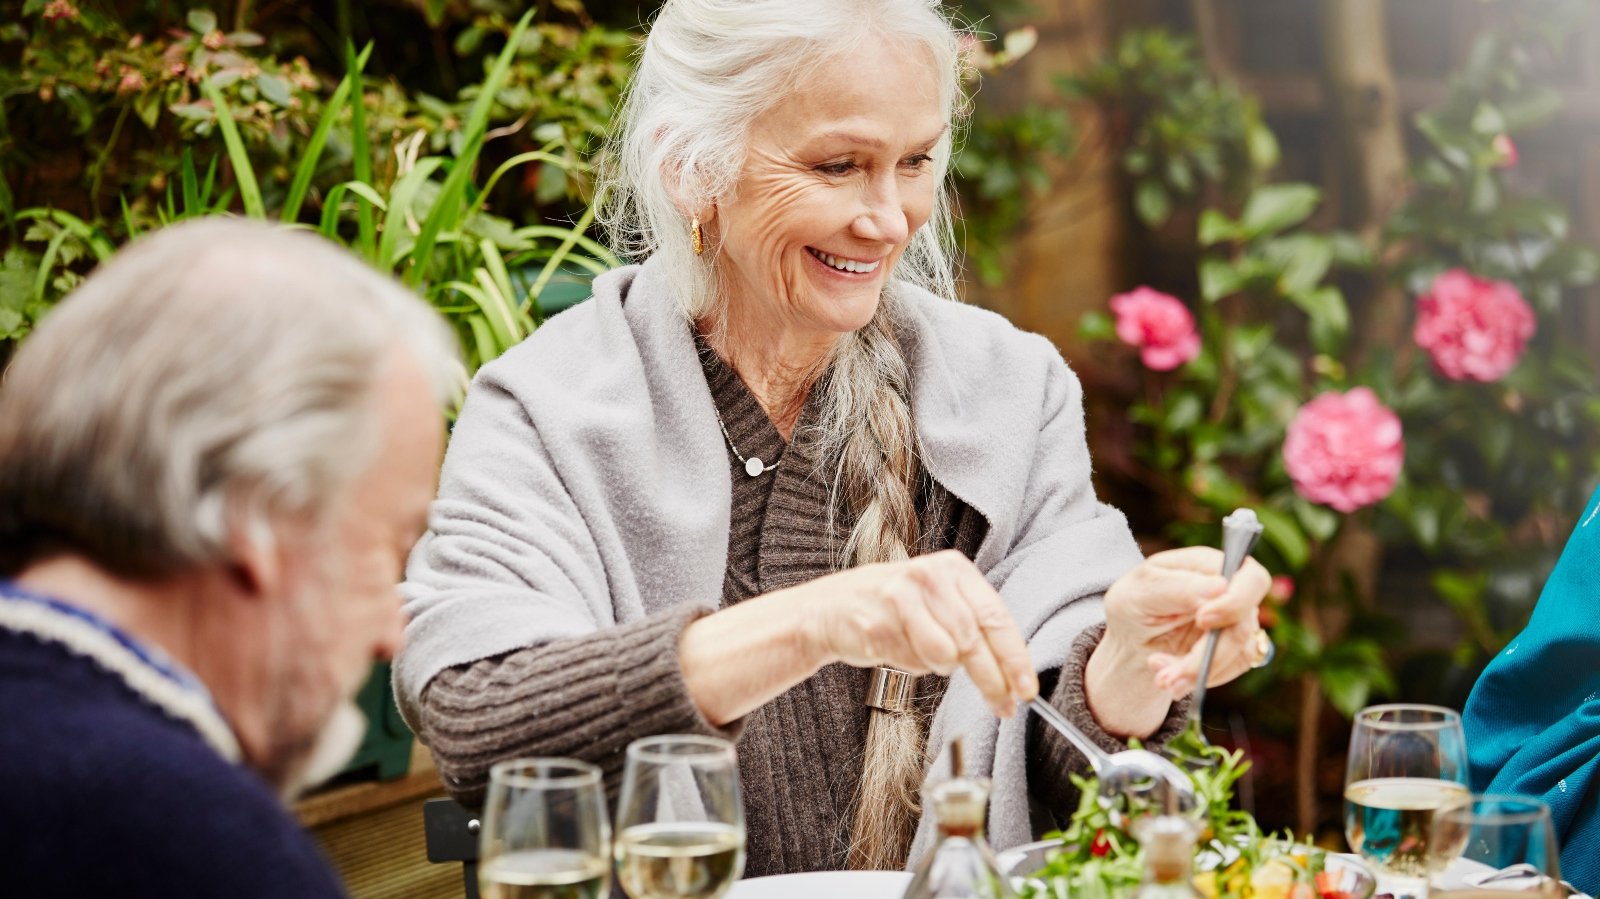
x: 680, y: 821
x: 545, y: 832
x: 1406, y: 762
x: 1509, y: 837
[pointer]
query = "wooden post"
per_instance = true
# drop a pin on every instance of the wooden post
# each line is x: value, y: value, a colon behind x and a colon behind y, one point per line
x: 1361, y: 86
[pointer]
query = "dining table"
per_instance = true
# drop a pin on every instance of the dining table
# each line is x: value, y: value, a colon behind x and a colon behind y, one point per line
x: 892, y: 884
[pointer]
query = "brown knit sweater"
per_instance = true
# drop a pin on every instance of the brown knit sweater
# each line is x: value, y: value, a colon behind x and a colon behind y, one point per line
x: 800, y: 754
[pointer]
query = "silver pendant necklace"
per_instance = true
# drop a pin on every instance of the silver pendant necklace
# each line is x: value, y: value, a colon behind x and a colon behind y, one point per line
x: 753, y: 466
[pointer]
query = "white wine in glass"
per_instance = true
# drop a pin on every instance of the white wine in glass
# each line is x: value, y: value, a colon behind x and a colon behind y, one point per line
x: 1406, y: 762
x: 680, y: 819
x: 545, y: 832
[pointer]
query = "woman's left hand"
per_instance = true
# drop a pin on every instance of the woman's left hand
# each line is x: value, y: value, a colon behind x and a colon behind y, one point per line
x: 1163, y: 608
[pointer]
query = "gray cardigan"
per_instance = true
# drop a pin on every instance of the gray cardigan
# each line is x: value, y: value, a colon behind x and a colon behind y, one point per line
x: 586, y: 486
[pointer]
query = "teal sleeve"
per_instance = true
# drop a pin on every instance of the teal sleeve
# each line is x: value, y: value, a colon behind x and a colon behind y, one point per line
x: 1533, y: 719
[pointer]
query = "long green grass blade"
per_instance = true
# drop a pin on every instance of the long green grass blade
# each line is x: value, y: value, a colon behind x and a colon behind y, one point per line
x: 127, y: 218
x: 208, y: 188
x: 447, y: 211
x: 400, y: 200
x: 41, y: 278
x: 589, y: 244
x: 561, y: 252
x: 361, y: 158
x: 319, y: 138
x: 243, y: 174
x: 517, y: 324
x: 329, y: 227
x: 508, y: 165
x: 496, y: 315
x: 482, y: 338
x: 191, y: 185
x: 90, y: 235
x: 366, y: 192
x: 592, y: 266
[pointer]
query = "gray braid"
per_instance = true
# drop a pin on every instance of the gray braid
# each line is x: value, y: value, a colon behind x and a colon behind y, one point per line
x: 866, y: 425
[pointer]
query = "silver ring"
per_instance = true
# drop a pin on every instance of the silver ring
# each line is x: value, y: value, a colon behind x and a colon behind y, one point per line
x: 891, y: 689
x: 1265, y: 650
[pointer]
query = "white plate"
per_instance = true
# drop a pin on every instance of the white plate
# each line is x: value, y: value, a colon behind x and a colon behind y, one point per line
x: 828, y: 884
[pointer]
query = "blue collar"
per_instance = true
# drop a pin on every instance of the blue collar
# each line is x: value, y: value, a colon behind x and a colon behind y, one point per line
x: 150, y: 656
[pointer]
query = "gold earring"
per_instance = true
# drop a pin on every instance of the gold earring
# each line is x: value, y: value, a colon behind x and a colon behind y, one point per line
x: 696, y: 237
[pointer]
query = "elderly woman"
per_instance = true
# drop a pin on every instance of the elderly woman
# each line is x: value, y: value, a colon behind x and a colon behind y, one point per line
x: 777, y: 455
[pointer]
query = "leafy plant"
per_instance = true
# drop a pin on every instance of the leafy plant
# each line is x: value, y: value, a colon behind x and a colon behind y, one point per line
x: 1257, y: 394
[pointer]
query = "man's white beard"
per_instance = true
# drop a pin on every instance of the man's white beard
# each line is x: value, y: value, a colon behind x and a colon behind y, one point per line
x: 335, y: 745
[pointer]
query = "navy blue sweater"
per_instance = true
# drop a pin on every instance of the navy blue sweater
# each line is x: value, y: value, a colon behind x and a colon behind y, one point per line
x: 102, y: 794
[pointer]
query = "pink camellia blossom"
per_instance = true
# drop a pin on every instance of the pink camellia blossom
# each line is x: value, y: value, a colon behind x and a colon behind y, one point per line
x: 1506, y: 155
x: 1344, y: 450
x: 1159, y: 325
x: 1473, y: 328
x: 1282, y: 589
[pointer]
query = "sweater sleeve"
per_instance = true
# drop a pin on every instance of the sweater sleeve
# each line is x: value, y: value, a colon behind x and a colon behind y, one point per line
x: 582, y: 697
x: 1050, y: 757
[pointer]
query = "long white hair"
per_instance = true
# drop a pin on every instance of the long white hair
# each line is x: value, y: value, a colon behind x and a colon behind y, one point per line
x: 708, y: 70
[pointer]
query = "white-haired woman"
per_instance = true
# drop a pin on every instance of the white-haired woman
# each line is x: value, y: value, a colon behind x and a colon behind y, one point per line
x: 777, y: 455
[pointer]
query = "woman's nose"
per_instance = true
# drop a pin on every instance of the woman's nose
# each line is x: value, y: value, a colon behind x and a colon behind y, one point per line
x: 884, y: 219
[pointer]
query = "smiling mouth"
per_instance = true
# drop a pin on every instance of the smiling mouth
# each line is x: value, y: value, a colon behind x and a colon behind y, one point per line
x: 844, y: 265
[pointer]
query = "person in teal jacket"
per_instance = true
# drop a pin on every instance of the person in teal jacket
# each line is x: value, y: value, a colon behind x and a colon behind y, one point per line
x: 1533, y: 719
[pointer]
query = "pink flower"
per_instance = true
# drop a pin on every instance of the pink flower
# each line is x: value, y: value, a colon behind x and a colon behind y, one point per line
x: 1159, y: 325
x: 59, y: 11
x: 132, y: 80
x: 1473, y: 328
x: 1282, y: 589
x: 1344, y: 450
x: 1506, y: 155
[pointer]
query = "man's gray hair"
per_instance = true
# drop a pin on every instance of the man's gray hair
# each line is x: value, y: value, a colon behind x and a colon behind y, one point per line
x: 216, y: 375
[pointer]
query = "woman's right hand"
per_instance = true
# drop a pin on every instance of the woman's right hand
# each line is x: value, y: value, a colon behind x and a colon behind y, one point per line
x: 933, y: 613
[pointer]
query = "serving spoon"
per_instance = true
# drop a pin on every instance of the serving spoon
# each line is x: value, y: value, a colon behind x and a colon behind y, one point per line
x: 1133, y: 780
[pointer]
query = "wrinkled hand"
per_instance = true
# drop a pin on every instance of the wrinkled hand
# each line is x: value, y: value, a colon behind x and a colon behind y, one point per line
x: 1163, y: 609
x: 933, y: 613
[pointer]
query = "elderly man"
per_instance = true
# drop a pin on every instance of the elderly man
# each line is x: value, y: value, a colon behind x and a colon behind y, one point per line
x: 214, y: 458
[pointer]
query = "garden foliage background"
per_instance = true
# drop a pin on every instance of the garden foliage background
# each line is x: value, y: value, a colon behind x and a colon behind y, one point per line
x: 1413, y: 352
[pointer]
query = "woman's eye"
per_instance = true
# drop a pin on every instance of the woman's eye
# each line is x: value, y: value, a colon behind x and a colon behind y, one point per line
x: 836, y: 168
x: 918, y: 161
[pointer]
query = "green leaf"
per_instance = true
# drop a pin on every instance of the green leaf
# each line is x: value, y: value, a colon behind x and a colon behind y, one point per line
x: 1216, y: 228
x: 1096, y: 325
x: 1488, y: 121
x: 401, y: 198
x: 243, y: 174
x: 202, y: 21
x: 360, y: 158
x: 1151, y: 202
x: 147, y: 106
x: 319, y: 139
x: 1285, y: 535
x: 275, y: 89
x: 447, y: 211
x: 1324, y: 305
x: 1319, y: 521
x: 1219, y: 278
x: 1262, y: 147
x: 1278, y: 206
x: 1184, y: 413
x: 1306, y: 260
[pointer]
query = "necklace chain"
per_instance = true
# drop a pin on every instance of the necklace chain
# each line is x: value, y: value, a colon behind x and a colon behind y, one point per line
x: 753, y: 466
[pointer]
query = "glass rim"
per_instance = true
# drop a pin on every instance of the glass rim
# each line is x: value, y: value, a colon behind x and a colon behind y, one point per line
x: 551, y: 772
x: 1532, y: 811
x: 1372, y: 716
x: 684, y: 749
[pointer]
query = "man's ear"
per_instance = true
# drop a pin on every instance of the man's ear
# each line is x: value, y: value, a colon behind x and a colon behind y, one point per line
x: 254, y: 565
